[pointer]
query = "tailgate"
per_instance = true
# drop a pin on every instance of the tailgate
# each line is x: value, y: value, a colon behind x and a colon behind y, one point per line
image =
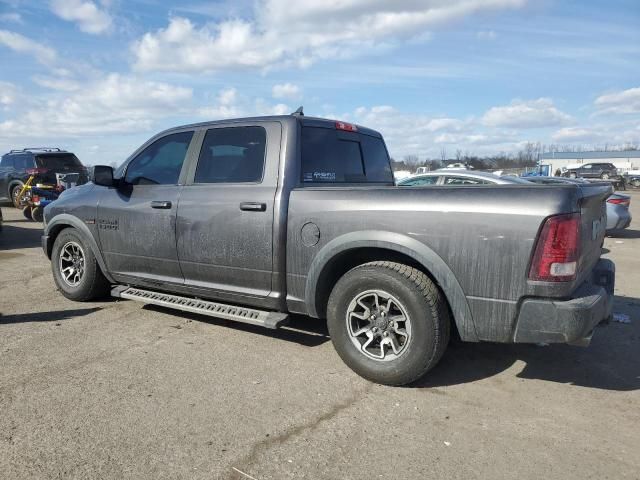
x: 593, y: 213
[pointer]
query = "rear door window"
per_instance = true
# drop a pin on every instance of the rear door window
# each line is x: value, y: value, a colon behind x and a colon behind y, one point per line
x: 331, y: 156
x: 232, y: 155
x: 22, y: 162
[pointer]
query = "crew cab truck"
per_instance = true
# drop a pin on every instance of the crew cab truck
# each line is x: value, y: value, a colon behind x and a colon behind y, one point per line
x: 254, y: 219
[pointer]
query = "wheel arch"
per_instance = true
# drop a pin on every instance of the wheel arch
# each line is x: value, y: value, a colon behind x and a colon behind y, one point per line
x: 63, y: 221
x: 13, y: 183
x: 352, y: 249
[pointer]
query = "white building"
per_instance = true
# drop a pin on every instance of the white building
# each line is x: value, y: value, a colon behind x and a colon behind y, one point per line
x: 625, y: 161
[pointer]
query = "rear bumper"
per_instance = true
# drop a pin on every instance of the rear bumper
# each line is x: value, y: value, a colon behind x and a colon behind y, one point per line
x: 618, y: 218
x: 569, y: 320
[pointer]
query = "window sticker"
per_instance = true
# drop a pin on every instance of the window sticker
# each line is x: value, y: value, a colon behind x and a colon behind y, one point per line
x: 320, y: 177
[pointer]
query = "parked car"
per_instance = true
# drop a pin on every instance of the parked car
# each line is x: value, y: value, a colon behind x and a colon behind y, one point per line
x: 633, y: 180
x: 458, y: 177
x: 254, y: 219
x: 44, y: 163
x: 604, y: 171
x: 618, y: 214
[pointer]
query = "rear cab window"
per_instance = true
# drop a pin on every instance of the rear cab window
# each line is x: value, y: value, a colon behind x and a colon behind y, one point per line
x: 333, y: 156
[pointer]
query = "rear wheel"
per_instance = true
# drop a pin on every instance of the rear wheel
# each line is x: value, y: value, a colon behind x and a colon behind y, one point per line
x: 388, y: 322
x: 635, y: 182
x: 75, y: 268
x: 37, y: 214
x: 27, y: 212
x: 604, y: 176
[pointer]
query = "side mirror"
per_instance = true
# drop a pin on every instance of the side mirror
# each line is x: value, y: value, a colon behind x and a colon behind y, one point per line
x: 103, y: 175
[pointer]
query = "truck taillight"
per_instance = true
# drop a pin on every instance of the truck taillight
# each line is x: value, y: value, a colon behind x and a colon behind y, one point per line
x: 620, y: 201
x: 557, y: 250
x: 37, y: 171
x: 347, y: 127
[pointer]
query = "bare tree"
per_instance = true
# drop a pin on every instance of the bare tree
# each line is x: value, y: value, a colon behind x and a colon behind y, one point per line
x: 443, y: 154
x: 411, y: 159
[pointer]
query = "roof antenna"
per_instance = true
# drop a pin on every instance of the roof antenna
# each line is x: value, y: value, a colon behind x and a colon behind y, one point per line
x: 298, y: 112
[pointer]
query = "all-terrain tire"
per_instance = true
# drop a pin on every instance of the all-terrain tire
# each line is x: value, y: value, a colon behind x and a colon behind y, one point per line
x: 424, y: 304
x: 37, y: 214
x: 27, y: 213
x: 92, y: 284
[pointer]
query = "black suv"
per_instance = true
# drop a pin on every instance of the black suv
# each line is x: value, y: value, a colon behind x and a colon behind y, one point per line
x: 18, y: 165
x: 593, y: 170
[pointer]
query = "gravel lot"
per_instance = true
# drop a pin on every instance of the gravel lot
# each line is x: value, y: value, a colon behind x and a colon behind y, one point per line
x: 118, y: 390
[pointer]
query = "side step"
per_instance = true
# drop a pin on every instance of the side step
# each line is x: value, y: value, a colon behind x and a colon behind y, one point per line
x: 220, y: 310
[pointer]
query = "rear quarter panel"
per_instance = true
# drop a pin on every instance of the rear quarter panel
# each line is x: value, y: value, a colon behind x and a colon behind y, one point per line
x: 484, y: 235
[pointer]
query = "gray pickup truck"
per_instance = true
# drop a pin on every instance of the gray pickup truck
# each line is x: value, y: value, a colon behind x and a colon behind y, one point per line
x: 255, y: 219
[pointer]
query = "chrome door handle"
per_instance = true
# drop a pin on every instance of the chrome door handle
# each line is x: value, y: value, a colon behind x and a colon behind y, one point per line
x: 160, y: 204
x: 253, y: 206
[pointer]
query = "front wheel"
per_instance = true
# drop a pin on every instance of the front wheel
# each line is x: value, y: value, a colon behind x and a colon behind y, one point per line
x: 75, y: 268
x: 572, y: 175
x: 15, y: 196
x: 388, y: 322
x: 604, y: 176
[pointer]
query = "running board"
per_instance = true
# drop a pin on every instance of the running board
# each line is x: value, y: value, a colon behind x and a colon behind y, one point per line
x: 251, y: 316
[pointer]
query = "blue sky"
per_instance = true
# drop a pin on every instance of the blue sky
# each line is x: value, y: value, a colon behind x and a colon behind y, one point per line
x: 481, y: 76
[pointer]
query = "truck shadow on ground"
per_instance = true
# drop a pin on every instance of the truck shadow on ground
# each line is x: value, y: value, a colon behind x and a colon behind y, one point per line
x: 15, y: 237
x: 617, y: 234
x: 611, y: 362
x: 302, y: 330
x: 54, y: 316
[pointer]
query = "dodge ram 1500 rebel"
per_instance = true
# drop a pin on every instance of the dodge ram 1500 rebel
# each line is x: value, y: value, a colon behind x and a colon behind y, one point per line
x: 254, y: 219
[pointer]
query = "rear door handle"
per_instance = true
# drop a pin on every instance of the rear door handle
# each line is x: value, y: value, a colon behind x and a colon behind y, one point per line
x: 253, y: 206
x: 160, y: 204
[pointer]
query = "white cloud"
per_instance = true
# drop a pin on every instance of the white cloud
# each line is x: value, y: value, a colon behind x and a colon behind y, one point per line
x: 88, y: 16
x: 8, y: 94
x: 229, y: 103
x: 286, y: 91
x: 622, y: 102
x: 315, y: 29
x: 21, y: 44
x: 576, y: 135
x: 114, y: 104
x: 12, y: 17
x: 538, y: 113
x: 486, y: 35
x: 53, y: 83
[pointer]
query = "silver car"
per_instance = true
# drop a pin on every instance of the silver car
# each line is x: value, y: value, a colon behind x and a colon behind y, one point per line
x: 618, y: 214
x: 458, y: 177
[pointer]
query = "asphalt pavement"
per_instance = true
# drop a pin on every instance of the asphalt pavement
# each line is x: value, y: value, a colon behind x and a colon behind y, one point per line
x: 119, y: 390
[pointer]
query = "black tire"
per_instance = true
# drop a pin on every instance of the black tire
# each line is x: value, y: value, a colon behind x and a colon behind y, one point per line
x: 424, y: 304
x: 604, y: 176
x: 15, y: 190
x: 27, y: 213
x: 37, y: 214
x: 635, y: 183
x: 92, y: 284
x: 573, y: 175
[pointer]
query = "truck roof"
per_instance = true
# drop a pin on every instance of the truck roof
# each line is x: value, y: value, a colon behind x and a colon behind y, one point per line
x: 304, y: 120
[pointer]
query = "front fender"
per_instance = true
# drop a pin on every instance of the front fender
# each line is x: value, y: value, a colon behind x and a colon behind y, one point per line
x: 64, y: 220
x: 396, y: 242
